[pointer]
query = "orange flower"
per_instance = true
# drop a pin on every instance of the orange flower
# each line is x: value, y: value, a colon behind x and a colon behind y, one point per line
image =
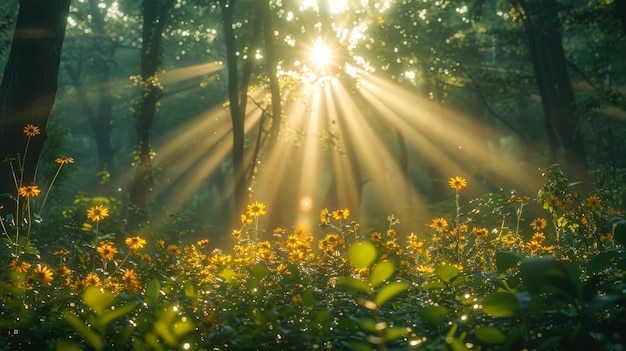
x: 19, y: 266
x: 31, y: 130
x: 42, y: 275
x: 29, y: 191
x: 64, y: 160
x: 106, y: 250
x: 538, y: 224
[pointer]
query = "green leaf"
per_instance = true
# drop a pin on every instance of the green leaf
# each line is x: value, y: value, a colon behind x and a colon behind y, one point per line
x: 538, y: 273
x: 228, y: 275
x: 98, y: 300
x: 490, y: 335
x: 354, y: 285
x: 153, y: 293
x: 446, y: 272
x: 81, y: 327
x: 500, y: 304
x: 64, y: 345
x: 308, y: 298
x: 390, y: 291
x: 618, y: 229
x: 119, y: 312
x: 506, y: 260
x: 260, y: 271
x: 381, y: 272
x: 434, y: 285
x: 362, y: 254
x: 433, y: 315
x: 394, y: 333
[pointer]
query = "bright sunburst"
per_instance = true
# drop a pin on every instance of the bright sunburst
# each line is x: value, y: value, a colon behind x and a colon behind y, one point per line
x: 320, y: 55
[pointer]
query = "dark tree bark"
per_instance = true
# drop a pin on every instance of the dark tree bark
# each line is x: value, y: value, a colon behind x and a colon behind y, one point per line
x: 543, y: 29
x: 29, y: 87
x: 237, y: 114
x: 620, y: 10
x: 155, y: 19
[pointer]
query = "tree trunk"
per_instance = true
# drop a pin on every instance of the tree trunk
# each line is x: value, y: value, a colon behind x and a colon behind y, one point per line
x: 236, y: 114
x: 155, y: 19
x: 543, y: 29
x: 29, y: 87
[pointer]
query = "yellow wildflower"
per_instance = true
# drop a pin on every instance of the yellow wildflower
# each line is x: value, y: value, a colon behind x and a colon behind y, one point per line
x: 135, y: 242
x: 339, y: 215
x: 439, y: 225
x: 457, y: 183
x: 92, y: 279
x: 106, y: 250
x: 132, y: 284
x: 97, y: 213
x: 538, y: 224
x: 480, y: 233
x: 324, y: 216
x: 256, y: 209
x: 42, y: 275
x: 593, y: 201
x: 19, y: 266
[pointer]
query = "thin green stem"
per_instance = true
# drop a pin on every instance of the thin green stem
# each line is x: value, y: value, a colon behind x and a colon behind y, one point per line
x: 49, y: 188
x: 94, y: 248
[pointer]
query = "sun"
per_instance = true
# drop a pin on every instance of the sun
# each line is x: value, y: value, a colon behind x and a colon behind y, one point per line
x: 320, y: 55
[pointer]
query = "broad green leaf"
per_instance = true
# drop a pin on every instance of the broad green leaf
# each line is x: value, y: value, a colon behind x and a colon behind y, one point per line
x: 228, y: 275
x: 490, y: 335
x: 434, y: 285
x: 259, y: 271
x: 368, y: 325
x: 433, y: 315
x: 500, y: 304
x: 119, y: 312
x: 390, y: 291
x: 446, y: 272
x: 506, y: 260
x: 81, y: 327
x: 98, y: 300
x: 153, y: 292
x: 362, y: 254
x: 381, y: 272
x: 65, y: 345
x: 354, y: 285
x: 540, y: 272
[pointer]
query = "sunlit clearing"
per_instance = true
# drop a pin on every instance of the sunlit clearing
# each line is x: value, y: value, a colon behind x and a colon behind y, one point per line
x: 320, y: 56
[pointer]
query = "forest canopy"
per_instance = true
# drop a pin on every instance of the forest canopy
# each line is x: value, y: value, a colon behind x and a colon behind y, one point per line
x: 193, y: 108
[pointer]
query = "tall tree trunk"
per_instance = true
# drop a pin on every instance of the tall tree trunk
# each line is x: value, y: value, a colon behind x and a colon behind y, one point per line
x: 236, y: 113
x: 270, y: 57
x: 29, y: 87
x: 155, y: 19
x: 101, y: 121
x: 541, y: 21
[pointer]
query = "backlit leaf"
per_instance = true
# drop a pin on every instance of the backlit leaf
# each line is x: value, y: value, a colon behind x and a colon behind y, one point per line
x: 362, y: 254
